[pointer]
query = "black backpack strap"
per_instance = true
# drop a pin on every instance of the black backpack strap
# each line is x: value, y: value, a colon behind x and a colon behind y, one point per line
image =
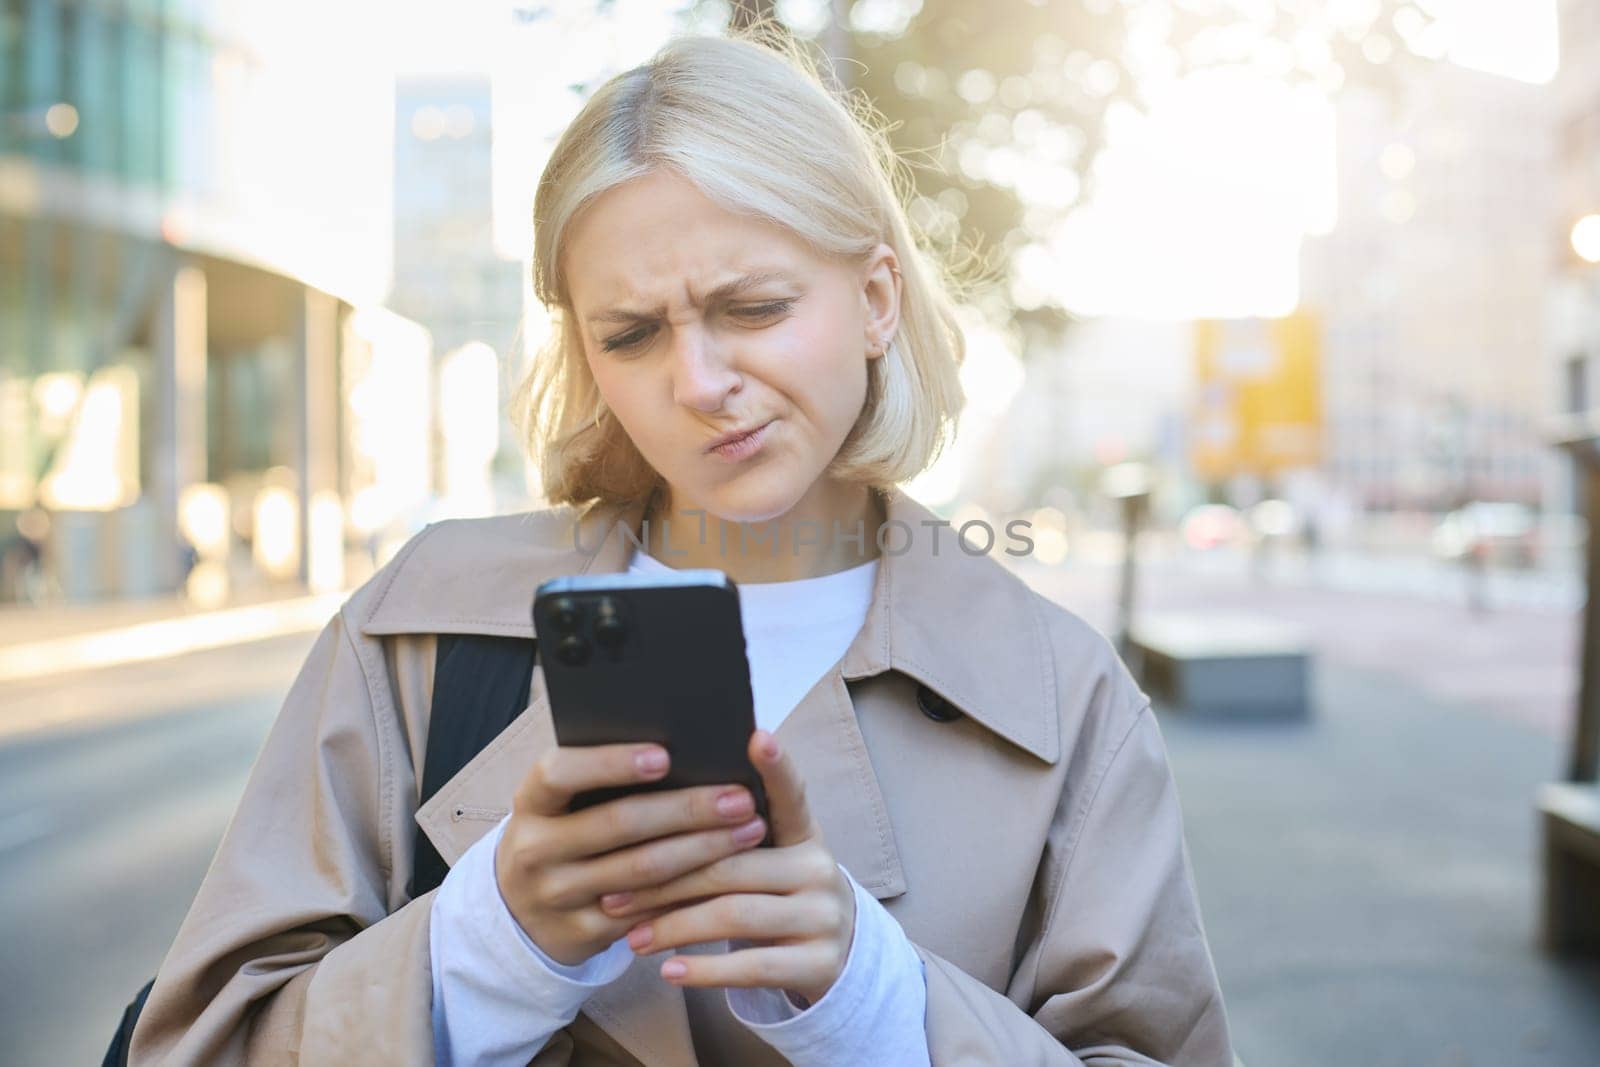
x: 117, y: 1054
x: 480, y: 684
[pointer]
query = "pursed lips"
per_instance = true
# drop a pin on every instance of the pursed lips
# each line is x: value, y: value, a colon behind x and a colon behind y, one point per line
x: 723, y: 441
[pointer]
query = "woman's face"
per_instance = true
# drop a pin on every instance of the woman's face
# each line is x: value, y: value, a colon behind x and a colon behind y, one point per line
x: 697, y: 323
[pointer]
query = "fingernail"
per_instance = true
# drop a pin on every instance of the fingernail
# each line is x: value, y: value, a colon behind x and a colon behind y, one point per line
x: 674, y: 969
x: 640, y: 936
x: 750, y: 832
x: 734, y: 802
x: 613, y: 901
x: 770, y: 747
x: 650, y: 761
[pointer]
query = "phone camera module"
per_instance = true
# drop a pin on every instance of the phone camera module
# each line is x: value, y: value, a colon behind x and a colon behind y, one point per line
x: 564, y: 614
x: 572, y: 650
x: 609, y: 629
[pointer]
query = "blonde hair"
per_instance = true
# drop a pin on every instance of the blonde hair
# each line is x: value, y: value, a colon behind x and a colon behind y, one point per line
x: 751, y: 124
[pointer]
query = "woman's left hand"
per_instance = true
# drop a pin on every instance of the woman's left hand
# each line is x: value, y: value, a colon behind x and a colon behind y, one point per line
x: 791, y: 900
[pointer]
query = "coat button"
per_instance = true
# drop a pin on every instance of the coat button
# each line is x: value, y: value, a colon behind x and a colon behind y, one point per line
x: 935, y: 706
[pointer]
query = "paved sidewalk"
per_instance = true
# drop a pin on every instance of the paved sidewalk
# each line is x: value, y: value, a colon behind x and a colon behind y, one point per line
x: 1516, y: 662
x: 50, y: 651
x: 27, y: 624
x: 23, y: 624
x: 157, y: 637
x: 1369, y: 883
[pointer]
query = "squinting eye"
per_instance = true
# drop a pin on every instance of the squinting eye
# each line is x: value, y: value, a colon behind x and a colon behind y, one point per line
x: 627, y: 340
x: 754, y: 313
x: 764, y: 311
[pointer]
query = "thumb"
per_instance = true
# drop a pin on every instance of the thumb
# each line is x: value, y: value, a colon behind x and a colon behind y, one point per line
x: 787, y: 811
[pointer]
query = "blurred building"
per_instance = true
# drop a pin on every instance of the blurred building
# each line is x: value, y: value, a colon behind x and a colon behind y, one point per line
x: 1575, y: 298
x: 193, y: 198
x: 449, y: 276
x: 1114, y: 389
x: 1432, y: 291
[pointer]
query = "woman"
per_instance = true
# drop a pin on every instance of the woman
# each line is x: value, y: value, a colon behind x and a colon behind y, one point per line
x: 979, y: 851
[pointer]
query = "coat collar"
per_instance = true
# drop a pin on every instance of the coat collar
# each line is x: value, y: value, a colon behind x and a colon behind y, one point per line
x: 959, y: 623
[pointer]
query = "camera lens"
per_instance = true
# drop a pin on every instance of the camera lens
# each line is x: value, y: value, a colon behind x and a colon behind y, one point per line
x: 564, y: 613
x: 609, y: 629
x: 609, y: 632
x: 572, y: 650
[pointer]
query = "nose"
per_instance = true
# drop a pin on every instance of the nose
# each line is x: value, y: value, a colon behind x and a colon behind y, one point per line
x: 703, y: 375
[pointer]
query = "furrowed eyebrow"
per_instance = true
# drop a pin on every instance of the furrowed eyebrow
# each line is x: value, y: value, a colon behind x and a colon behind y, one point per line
x: 725, y: 291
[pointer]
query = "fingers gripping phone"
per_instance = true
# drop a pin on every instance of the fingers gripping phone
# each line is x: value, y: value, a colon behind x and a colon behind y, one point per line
x: 660, y: 658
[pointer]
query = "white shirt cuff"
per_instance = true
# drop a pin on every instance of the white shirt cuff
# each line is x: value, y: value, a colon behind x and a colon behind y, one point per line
x: 498, y: 997
x: 874, y: 1011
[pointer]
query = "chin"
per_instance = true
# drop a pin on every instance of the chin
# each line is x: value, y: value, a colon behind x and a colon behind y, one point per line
x: 755, y: 498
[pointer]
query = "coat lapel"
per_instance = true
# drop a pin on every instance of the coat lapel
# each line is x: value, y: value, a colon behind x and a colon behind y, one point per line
x: 936, y: 622
x: 824, y: 738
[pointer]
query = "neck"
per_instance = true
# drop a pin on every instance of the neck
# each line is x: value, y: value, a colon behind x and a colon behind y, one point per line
x: 815, y: 537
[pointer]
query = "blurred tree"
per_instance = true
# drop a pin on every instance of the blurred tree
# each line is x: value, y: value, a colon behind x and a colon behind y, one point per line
x: 974, y: 89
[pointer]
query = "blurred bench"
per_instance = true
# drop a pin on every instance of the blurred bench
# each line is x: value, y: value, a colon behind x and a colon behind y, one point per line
x: 1223, y: 666
x: 1570, y: 817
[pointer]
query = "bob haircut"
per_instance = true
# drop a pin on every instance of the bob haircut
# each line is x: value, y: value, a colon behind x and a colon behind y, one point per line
x: 750, y: 123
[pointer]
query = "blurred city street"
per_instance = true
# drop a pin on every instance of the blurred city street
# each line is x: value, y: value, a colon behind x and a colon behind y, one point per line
x: 1367, y: 878
x: 1301, y: 298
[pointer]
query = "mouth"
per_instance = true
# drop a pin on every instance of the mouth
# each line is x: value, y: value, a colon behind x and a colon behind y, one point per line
x: 738, y: 444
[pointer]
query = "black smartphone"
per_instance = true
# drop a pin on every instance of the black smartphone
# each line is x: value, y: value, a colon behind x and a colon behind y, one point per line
x: 660, y: 658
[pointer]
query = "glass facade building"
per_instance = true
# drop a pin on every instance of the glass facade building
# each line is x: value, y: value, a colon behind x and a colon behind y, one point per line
x: 193, y: 198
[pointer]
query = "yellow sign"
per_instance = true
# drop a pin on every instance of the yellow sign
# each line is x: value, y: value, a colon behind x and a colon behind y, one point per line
x: 1258, y: 407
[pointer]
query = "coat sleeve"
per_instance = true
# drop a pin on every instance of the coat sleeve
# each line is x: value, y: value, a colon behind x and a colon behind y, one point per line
x: 301, y: 945
x: 1120, y: 972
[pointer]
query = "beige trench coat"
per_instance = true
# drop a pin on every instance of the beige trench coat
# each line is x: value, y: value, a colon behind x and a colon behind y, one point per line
x: 1032, y: 847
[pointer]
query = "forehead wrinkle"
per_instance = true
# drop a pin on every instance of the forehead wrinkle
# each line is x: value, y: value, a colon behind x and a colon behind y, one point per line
x: 724, y: 291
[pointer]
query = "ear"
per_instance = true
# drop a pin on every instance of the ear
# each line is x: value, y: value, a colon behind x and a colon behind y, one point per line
x: 880, y: 296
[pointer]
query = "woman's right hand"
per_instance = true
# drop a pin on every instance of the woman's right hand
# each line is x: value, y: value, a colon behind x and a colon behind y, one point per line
x: 553, y: 865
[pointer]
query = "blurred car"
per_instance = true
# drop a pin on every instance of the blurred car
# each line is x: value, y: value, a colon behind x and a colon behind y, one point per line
x: 1489, y: 531
x: 1213, y: 525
